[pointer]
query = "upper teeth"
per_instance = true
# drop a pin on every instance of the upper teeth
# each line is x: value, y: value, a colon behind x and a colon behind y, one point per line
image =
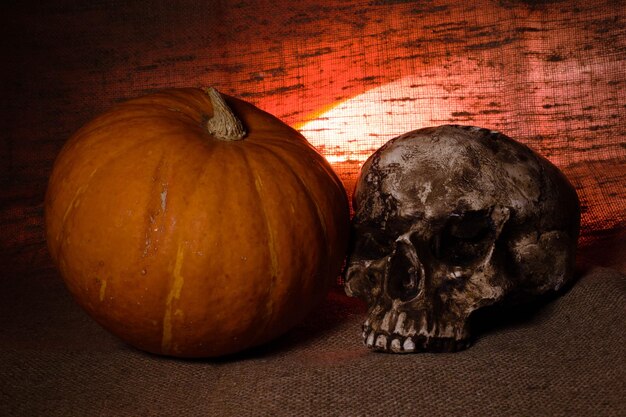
x: 396, y: 346
x: 379, y: 341
x: 409, y: 345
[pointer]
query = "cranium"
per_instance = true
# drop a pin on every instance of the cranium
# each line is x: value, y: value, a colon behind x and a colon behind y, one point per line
x: 451, y: 219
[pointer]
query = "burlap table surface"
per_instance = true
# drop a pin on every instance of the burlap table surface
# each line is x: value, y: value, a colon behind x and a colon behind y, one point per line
x: 562, y: 358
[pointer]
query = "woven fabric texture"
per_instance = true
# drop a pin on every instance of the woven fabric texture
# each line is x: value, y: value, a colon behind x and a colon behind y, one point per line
x: 564, y: 358
x: 349, y: 74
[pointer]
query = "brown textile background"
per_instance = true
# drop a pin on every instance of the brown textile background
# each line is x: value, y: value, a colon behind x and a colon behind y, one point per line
x: 549, y: 73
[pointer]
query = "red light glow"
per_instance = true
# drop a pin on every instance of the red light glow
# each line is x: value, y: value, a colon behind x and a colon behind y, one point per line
x: 557, y: 123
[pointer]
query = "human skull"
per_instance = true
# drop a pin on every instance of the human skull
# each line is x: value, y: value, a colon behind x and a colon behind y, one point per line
x: 451, y: 219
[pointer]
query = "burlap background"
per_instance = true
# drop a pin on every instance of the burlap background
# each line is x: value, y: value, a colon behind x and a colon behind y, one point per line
x: 549, y: 73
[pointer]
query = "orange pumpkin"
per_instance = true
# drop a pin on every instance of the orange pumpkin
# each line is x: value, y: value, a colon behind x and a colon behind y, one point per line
x: 185, y: 236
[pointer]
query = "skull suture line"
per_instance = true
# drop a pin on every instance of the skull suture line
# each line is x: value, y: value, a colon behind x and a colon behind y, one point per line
x: 451, y: 219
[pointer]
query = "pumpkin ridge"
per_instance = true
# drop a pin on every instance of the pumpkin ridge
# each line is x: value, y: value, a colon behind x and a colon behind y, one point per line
x: 310, y: 196
x: 158, y: 192
x: 302, y: 146
x: 269, y: 303
x: 324, y: 266
x: 172, y: 296
x: 82, y: 190
x: 157, y: 198
x: 151, y: 216
x: 168, y: 333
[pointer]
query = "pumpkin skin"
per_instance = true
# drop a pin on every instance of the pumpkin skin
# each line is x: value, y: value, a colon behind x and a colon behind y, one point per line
x: 187, y: 245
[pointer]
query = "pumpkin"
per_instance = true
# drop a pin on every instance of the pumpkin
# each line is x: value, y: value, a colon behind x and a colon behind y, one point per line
x: 183, y: 234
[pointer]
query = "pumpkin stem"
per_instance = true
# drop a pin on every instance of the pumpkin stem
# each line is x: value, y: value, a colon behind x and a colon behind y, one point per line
x: 224, y: 124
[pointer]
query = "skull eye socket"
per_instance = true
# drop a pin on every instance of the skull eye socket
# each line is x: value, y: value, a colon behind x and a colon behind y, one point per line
x: 465, y: 238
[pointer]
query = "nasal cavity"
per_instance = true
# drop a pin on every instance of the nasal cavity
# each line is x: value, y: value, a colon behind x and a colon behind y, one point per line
x: 404, y: 273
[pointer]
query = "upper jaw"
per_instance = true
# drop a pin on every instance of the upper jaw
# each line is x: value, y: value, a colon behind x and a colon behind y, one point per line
x: 397, y: 333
